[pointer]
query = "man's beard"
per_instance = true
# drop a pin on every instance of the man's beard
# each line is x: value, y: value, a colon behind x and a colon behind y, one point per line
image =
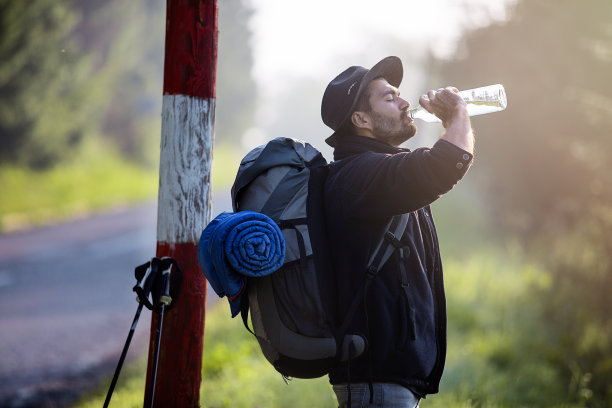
x: 386, y: 129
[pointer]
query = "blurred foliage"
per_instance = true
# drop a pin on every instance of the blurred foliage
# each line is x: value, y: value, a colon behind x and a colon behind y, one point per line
x: 78, y: 69
x: 91, y: 182
x: 226, y: 159
x: 75, y: 70
x: 83, y: 73
x: 578, y: 308
x: 41, y: 80
x: 124, y: 43
x: 495, y: 355
x: 542, y: 164
x: 236, y: 89
x: 545, y: 156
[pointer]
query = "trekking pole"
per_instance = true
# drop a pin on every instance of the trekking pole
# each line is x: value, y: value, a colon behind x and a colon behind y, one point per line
x: 122, y: 358
x: 164, y: 300
x: 142, y: 282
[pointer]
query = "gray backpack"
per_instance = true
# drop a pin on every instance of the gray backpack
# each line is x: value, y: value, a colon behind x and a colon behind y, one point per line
x: 293, y: 310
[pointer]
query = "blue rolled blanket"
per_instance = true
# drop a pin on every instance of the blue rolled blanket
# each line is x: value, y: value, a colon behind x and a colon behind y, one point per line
x: 234, y: 246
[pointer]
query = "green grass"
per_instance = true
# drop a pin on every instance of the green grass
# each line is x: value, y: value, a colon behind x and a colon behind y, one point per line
x: 129, y: 392
x: 95, y: 181
x: 69, y: 191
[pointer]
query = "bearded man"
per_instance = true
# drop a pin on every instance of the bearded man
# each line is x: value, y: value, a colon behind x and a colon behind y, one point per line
x: 372, y: 179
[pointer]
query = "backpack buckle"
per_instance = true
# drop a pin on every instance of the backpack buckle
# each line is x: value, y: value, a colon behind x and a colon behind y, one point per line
x: 390, y: 237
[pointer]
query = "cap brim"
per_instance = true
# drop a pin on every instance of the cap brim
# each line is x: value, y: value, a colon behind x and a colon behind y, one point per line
x: 389, y: 68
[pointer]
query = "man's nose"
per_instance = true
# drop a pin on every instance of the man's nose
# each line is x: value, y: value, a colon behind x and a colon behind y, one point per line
x: 404, y: 104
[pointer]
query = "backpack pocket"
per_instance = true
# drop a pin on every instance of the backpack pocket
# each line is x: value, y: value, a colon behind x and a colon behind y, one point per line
x: 297, y: 295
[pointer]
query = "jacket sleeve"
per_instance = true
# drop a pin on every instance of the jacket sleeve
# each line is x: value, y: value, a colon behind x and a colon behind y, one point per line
x: 390, y: 184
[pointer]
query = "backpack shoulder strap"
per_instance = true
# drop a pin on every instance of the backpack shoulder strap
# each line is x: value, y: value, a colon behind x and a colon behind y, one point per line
x: 389, y: 243
x: 244, y: 313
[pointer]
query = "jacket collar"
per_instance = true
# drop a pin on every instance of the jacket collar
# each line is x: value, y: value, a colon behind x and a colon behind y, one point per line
x: 355, y: 144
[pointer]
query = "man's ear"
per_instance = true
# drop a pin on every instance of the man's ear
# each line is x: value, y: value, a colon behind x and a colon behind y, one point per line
x: 361, y: 120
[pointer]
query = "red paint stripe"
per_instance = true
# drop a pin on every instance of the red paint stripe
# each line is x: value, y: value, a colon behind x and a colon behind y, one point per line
x: 180, y: 360
x: 190, y: 66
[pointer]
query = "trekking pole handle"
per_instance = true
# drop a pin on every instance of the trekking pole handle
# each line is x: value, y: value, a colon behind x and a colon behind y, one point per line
x: 146, y: 275
x: 165, y: 297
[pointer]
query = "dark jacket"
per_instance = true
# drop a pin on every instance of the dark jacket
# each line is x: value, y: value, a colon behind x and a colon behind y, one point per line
x: 369, y: 182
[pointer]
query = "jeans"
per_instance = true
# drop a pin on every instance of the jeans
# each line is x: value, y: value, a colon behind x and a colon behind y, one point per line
x: 386, y: 395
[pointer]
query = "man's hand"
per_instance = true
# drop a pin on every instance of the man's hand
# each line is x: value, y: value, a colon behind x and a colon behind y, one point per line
x: 447, y: 105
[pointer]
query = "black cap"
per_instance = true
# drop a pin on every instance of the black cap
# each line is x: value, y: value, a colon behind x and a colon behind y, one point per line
x: 343, y: 92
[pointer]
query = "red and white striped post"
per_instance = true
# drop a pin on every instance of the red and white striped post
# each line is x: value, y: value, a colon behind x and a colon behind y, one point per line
x: 184, y: 201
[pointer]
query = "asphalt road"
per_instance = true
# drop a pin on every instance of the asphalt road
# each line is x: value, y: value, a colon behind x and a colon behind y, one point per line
x: 66, y: 303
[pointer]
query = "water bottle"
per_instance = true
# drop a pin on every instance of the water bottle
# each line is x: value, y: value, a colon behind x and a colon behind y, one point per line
x: 482, y: 100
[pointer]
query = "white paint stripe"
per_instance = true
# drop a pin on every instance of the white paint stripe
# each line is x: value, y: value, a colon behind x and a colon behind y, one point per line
x: 184, y: 199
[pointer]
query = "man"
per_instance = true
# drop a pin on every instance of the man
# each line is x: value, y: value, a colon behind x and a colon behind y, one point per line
x: 403, y: 314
